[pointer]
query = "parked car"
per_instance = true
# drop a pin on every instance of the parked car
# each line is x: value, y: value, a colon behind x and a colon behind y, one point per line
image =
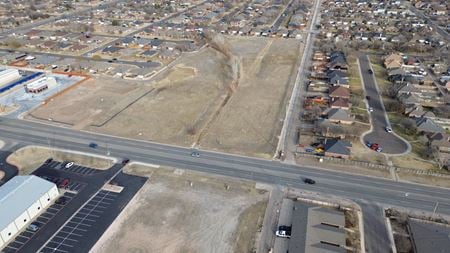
x: 388, y: 129
x: 93, y: 145
x: 64, y: 184
x: 125, y: 161
x: 376, y: 147
x: 309, y: 181
x: 370, y: 71
x: 33, y: 227
x: 49, y: 160
x: 370, y: 109
x: 61, y: 201
x: 368, y: 97
x: 284, y: 231
x: 69, y: 164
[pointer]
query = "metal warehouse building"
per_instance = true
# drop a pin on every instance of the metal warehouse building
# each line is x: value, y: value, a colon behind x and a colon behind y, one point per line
x: 21, y: 199
x: 7, y: 76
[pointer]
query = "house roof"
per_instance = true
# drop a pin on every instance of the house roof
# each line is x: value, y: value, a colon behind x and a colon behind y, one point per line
x: 339, y: 91
x: 427, y: 125
x: 439, y: 139
x: 336, y: 146
x: 339, y: 102
x: 338, y: 114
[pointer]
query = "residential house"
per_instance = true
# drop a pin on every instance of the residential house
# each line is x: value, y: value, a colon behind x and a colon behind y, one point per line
x: 339, y: 116
x: 428, y: 126
x: 337, y: 77
x: 337, y: 148
x: 339, y: 91
x: 340, y: 103
x: 393, y: 61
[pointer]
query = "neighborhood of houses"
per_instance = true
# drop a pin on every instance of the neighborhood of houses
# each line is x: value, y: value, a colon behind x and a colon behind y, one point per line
x: 411, y: 65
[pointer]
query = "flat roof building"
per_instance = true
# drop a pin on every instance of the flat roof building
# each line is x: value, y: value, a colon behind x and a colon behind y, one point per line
x: 41, y: 84
x: 429, y: 236
x: 21, y: 200
x: 317, y: 229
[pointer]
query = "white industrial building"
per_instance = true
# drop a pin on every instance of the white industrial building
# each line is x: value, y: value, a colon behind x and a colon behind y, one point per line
x: 8, y: 76
x: 21, y: 200
x: 41, y: 84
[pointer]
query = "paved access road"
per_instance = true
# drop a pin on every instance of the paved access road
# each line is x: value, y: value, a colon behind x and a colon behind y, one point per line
x: 390, y: 142
x: 375, y: 231
x: 356, y: 187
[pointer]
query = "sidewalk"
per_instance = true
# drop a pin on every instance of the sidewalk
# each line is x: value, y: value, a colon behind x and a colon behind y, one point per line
x: 267, y: 237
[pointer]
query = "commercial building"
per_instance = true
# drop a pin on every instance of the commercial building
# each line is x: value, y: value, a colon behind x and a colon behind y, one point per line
x: 41, y: 85
x: 429, y: 236
x: 21, y: 200
x: 317, y: 229
x: 8, y: 76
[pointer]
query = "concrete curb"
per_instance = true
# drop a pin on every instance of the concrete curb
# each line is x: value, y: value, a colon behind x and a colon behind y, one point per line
x: 391, y: 235
x: 361, y: 231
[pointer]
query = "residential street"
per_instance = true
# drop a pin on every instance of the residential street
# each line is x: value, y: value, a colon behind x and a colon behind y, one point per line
x: 390, y: 142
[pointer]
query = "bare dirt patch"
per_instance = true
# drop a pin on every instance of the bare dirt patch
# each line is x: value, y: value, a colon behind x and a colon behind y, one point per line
x: 229, y: 96
x: 251, y: 120
x: 181, y: 211
x: 183, y: 99
x: 2, y: 174
x: 91, y: 98
x: 29, y: 158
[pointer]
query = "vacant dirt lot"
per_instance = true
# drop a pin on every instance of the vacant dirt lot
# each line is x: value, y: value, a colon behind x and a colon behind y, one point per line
x: 179, y: 211
x: 230, y: 97
x: 183, y: 98
x: 29, y: 158
x: 251, y: 120
x: 89, y: 100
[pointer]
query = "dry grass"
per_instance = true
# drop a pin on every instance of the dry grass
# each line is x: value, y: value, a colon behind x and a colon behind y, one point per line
x: 362, y: 153
x: 314, y: 162
x: 29, y: 158
x: 87, y: 101
x: 198, y: 100
x: 252, y: 118
x: 2, y: 174
x: 424, y: 179
x: 183, y: 99
x: 181, y: 211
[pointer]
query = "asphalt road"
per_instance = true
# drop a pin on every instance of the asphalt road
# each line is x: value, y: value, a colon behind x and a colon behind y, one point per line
x: 375, y: 230
x: 390, y: 142
x: 356, y: 187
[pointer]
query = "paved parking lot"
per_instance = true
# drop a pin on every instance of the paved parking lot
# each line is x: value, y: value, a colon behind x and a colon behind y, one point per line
x: 84, y: 222
x: 74, y: 168
x: 74, y: 186
x: 42, y: 220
